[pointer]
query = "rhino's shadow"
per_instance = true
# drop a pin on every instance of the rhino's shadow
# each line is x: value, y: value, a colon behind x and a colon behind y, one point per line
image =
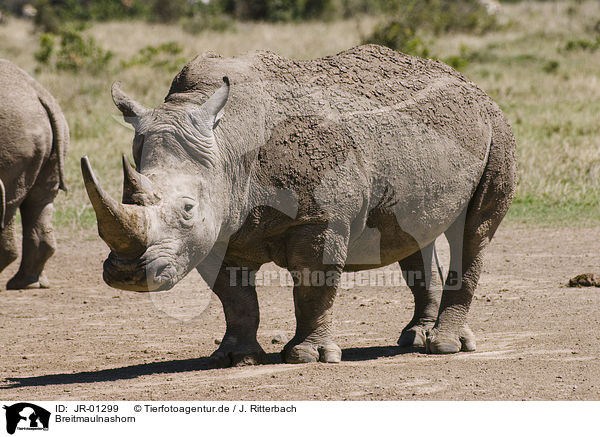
x: 177, y: 366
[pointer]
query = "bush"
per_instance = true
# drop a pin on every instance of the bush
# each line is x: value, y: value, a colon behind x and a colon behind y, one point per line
x: 278, y: 10
x: 169, y: 10
x: 551, y: 66
x: 163, y: 56
x: 207, y: 17
x: 400, y: 36
x: 75, y: 53
x: 200, y: 23
x: 583, y: 44
x: 15, y: 7
x: 411, y: 18
x: 47, y: 18
x: 460, y: 61
x: 52, y: 13
x: 44, y: 53
x: 351, y: 8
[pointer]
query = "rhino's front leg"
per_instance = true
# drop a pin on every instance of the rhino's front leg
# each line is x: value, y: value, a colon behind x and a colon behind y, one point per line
x: 314, y: 259
x: 240, y: 304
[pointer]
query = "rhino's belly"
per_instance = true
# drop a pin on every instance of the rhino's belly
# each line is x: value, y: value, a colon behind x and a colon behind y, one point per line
x: 374, y: 249
x: 411, y: 205
x: 390, y: 237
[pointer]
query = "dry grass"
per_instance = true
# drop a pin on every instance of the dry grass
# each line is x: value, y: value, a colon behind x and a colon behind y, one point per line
x: 551, y: 96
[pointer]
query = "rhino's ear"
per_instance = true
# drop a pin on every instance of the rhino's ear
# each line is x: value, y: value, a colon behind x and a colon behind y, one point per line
x: 213, y: 107
x: 130, y: 109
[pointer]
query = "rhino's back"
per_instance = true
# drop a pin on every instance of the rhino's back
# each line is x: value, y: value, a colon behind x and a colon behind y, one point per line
x: 363, y: 88
x: 362, y: 70
x: 369, y: 89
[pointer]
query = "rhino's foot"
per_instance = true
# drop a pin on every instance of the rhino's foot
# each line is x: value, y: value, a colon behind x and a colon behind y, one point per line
x: 310, y: 351
x: 22, y: 282
x: 415, y: 334
x: 449, y: 343
x: 233, y: 353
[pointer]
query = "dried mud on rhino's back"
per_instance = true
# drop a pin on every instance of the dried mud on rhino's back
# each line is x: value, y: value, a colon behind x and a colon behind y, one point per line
x: 370, y: 71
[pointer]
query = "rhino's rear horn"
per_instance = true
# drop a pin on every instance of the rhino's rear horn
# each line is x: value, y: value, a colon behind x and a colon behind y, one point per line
x: 137, y: 188
x: 130, y: 109
x: 122, y: 227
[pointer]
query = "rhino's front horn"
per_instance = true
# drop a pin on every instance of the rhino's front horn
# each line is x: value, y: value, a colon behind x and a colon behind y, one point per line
x: 137, y: 188
x: 122, y: 227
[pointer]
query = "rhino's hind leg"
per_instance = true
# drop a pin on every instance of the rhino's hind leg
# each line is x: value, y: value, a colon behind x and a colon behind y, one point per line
x: 8, y: 244
x: 451, y: 333
x: 468, y: 237
x: 426, y: 288
x: 237, y: 294
x: 314, y: 259
x: 38, y: 244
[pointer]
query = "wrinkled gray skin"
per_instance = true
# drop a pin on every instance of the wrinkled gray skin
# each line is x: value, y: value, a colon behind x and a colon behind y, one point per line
x: 343, y: 163
x: 34, y: 137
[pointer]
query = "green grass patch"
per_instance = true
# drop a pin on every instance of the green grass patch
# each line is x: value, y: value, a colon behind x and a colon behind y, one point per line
x: 531, y: 211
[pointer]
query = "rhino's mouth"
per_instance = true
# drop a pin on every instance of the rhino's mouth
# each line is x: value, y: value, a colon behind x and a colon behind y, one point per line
x: 140, y: 275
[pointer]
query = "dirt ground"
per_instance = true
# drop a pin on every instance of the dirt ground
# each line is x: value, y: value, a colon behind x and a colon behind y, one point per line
x: 81, y: 340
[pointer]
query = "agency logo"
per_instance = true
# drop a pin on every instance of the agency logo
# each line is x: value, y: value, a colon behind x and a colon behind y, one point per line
x: 26, y: 417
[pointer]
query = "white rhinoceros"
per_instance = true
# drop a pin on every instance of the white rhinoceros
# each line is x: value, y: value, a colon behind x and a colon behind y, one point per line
x: 343, y: 163
x: 34, y: 137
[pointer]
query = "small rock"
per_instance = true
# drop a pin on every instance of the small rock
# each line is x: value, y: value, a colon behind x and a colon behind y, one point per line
x: 279, y: 339
x: 585, y: 280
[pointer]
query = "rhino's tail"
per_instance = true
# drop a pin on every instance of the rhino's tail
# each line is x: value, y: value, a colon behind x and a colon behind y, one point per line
x: 60, y: 132
x: 2, y: 204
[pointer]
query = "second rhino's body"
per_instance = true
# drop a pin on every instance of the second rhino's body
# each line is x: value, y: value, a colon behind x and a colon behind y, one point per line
x: 34, y: 137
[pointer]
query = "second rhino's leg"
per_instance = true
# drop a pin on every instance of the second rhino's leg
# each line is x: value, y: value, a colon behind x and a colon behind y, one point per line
x: 8, y: 244
x: 235, y: 289
x: 315, y: 257
x: 38, y: 244
x: 426, y: 287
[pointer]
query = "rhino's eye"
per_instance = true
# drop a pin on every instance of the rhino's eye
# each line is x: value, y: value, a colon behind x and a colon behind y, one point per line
x: 187, y: 208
